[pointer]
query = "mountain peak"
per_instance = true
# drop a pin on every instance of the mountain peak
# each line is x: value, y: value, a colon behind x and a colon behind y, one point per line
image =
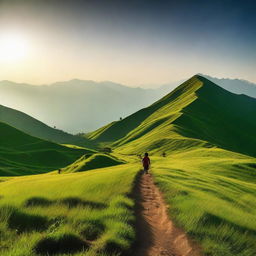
x: 196, y: 112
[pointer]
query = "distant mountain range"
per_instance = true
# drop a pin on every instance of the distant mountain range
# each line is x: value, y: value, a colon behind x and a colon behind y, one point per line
x: 76, y: 105
x: 82, y: 106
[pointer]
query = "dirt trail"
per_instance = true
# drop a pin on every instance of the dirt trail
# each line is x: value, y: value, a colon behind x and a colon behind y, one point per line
x: 157, y: 234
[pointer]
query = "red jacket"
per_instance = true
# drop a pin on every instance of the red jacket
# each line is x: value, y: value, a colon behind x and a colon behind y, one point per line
x: 146, y: 161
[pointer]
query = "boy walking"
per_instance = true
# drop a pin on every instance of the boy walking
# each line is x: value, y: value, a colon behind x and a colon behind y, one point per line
x: 146, y: 163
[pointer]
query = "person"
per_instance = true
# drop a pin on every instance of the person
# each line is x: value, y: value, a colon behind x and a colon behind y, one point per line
x: 59, y: 171
x: 146, y: 163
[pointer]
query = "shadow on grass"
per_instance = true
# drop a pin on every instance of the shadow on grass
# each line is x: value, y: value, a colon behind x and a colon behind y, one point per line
x: 113, y: 247
x: 92, y: 229
x: 24, y: 222
x: 223, y: 236
x: 209, y: 219
x: 38, y: 201
x: 70, y: 202
x: 62, y: 244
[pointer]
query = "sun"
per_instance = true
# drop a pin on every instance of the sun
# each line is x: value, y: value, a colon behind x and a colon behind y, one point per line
x: 13, y: 47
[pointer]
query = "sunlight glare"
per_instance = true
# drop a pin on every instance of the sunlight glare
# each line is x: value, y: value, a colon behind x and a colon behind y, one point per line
x: 13, y: 47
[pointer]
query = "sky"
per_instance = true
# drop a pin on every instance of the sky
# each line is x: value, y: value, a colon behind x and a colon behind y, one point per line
x: 129, y: 42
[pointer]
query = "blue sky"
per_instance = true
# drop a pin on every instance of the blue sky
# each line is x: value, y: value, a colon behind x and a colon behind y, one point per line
x: 131, y: 42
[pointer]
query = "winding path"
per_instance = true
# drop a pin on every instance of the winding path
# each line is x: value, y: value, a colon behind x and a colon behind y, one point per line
x: 156, y: 233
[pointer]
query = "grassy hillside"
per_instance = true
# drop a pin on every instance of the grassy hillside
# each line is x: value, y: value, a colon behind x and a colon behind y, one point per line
x: 197, y: 113
x: 38, y: 129
x: 221, y: 118
x: 90, y: 162
x: 23, y: 154
x: 68, y: 214
x: 211, y: 193
x: 118, y: 130
x: 209, y: 187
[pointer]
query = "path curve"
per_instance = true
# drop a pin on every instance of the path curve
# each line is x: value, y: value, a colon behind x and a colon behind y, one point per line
x: 156, y: 233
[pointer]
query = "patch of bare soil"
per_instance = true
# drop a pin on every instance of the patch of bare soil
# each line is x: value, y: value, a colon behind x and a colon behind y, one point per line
x: 156, y: 233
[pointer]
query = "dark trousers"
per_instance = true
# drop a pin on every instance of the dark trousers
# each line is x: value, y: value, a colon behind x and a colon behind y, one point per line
x: 146, y: 168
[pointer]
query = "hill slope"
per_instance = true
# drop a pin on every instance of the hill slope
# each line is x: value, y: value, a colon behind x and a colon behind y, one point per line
x: 90, y: 162
x: 54, y: 214
x: 198, y: 112
x: 23, y: 154
x: 36, y: 128
x: 210, y: 191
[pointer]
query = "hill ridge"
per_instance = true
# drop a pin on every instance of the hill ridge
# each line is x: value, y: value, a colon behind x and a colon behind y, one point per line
x: 129, y: 124
x: 196, y: 112
x: 35, y: 127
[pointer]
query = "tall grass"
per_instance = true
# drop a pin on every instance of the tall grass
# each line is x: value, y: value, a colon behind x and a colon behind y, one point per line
x: 87, y: 213
x: 211, y: 193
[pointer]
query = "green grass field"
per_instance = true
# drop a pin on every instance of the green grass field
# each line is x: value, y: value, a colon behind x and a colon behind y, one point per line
x: 208, y: 178
x: 68, y: 213
x: 92, y: 161
x: 211, y: 193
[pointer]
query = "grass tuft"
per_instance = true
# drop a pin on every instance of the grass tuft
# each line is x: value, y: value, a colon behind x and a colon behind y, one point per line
x: 93, y: 229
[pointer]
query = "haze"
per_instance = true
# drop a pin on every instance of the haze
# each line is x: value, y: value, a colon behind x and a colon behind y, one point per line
x: 129, y: 42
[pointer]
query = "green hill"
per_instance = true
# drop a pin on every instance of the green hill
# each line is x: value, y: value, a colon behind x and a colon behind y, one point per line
x: 198, y: 112
x: 207, y: 178
x: 37, y: 128
x: 90, y: 162
x: 207, y: 183
x: 22, y: 154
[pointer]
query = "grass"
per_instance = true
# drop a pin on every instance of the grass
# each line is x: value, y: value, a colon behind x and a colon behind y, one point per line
x: 87, y: 209
x: 68, y: 214
x: 89, y: 162
x: 197, y: 113
x: 211, y: 194
x: 38, y: 129
x: 22, y: 154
